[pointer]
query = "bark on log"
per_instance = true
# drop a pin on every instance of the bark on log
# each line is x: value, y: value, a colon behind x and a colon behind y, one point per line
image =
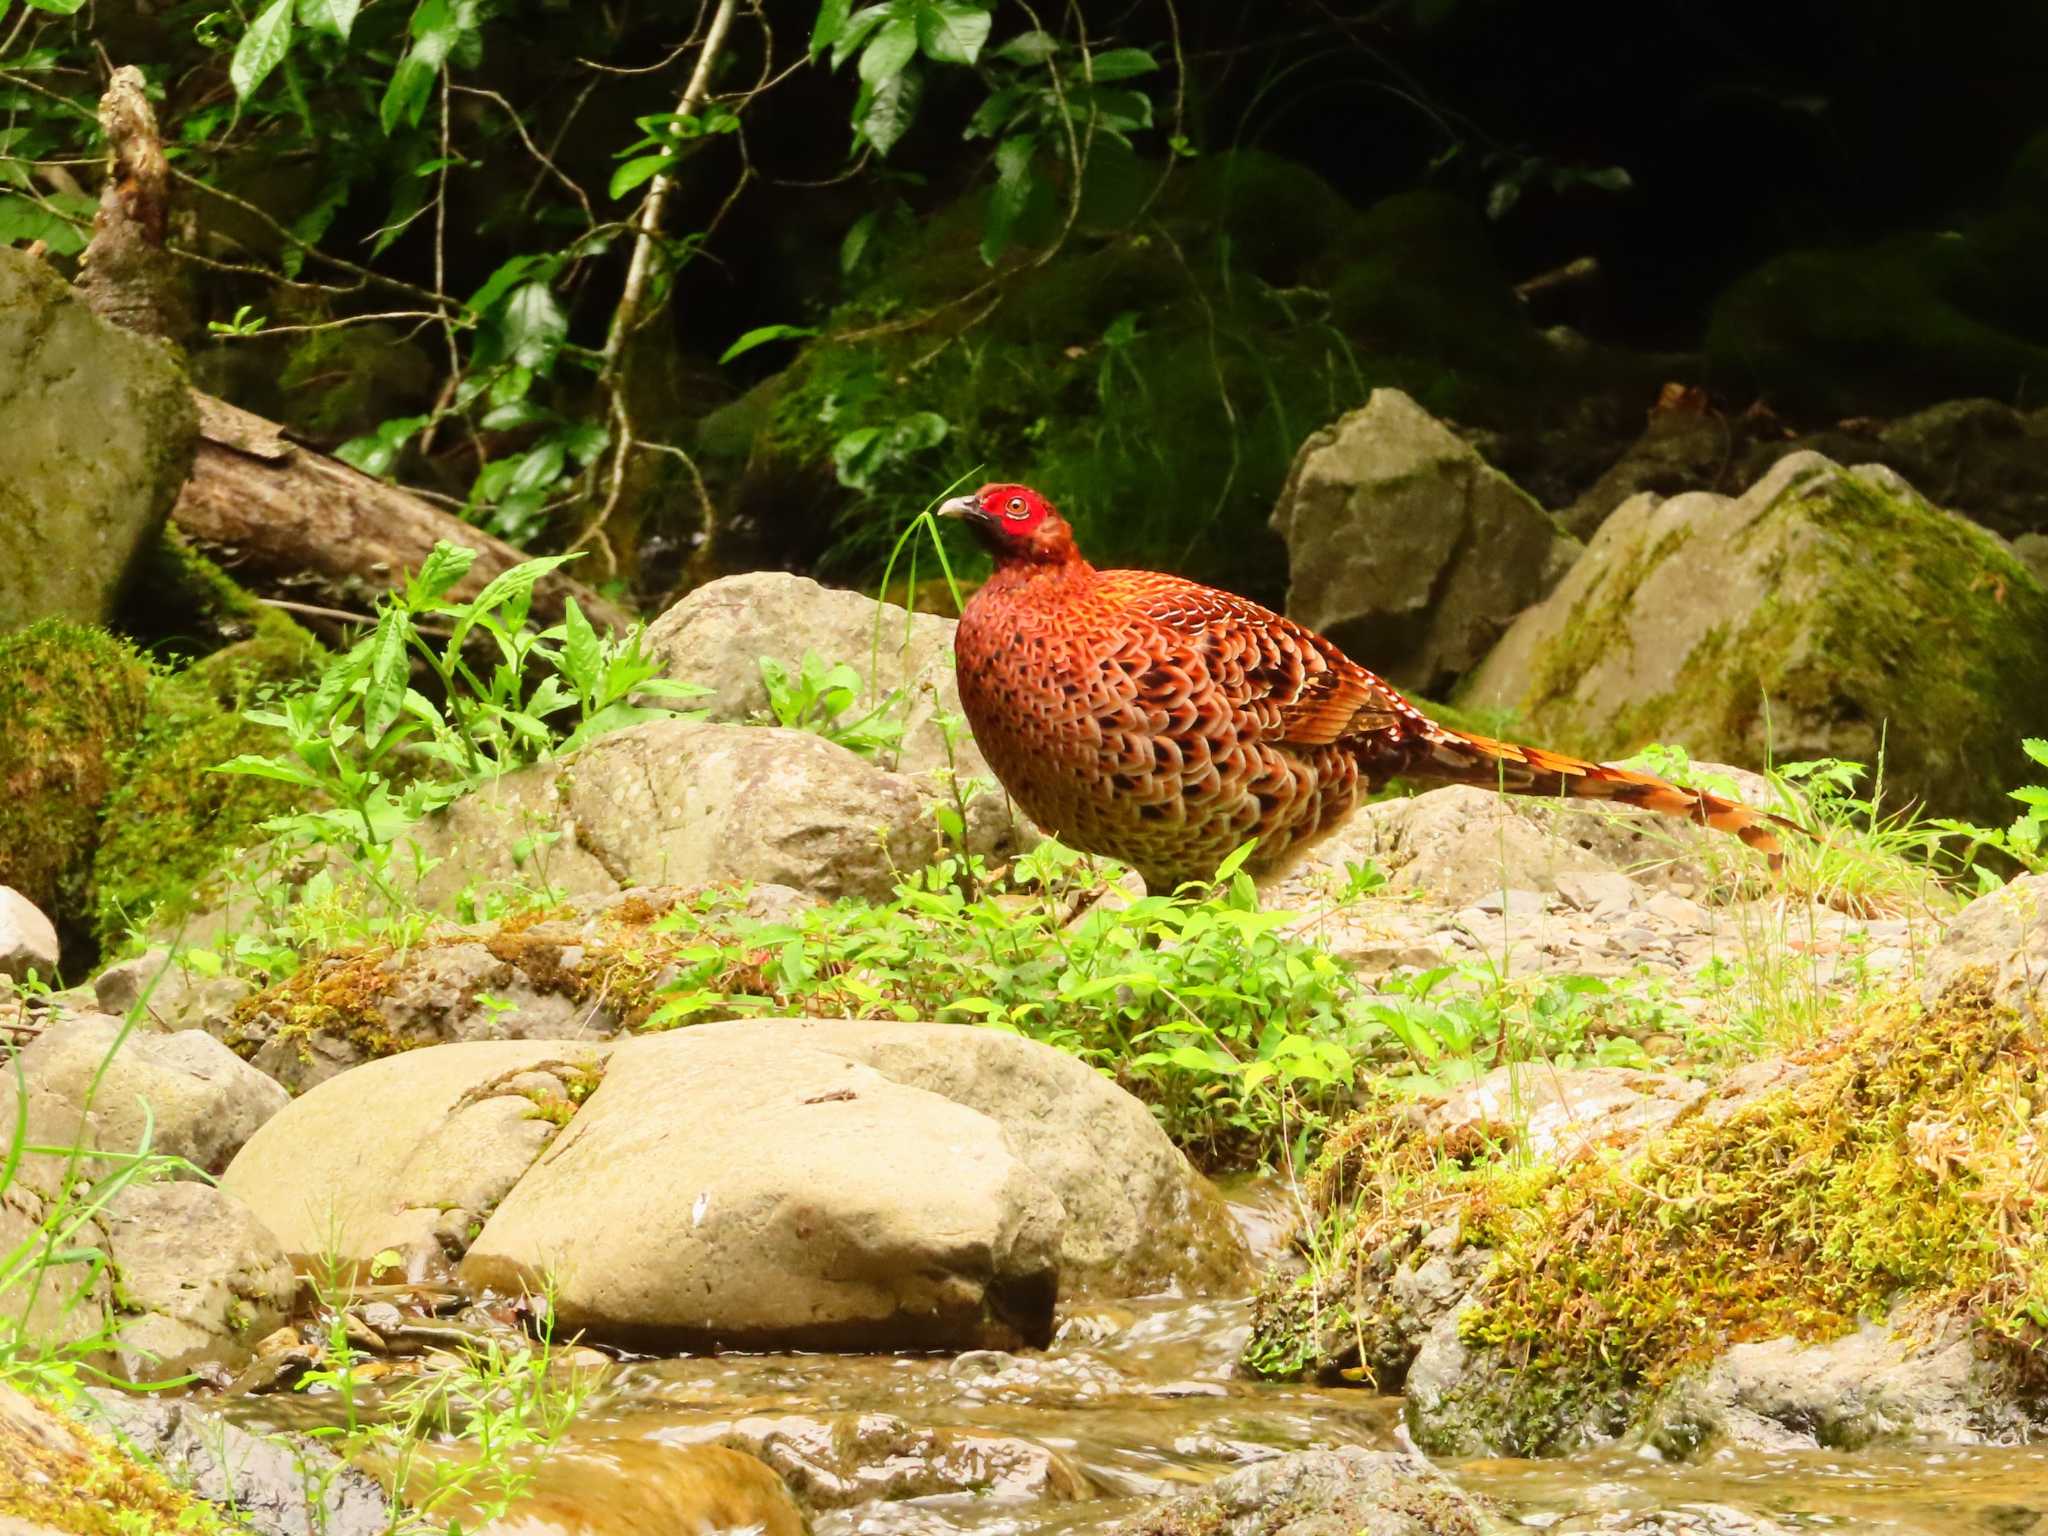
x: 278, y: 511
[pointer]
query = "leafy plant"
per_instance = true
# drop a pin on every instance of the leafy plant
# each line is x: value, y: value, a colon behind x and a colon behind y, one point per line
x: 819, y: 698
x: 374, y: 754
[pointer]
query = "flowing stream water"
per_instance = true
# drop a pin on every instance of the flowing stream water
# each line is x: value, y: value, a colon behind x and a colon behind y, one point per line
x: 1140, y: 1400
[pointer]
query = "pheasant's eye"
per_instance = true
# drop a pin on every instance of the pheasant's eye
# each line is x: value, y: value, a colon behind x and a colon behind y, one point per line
x: 1015, y: 507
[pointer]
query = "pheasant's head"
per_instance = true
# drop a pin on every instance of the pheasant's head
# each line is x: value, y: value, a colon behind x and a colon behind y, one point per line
x: 1016, y: 525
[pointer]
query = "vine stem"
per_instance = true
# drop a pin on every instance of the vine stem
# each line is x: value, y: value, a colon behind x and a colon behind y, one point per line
x: 648, y: 225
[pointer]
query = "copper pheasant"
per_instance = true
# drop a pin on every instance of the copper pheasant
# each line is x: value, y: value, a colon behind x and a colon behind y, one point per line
x: 1164, y: 723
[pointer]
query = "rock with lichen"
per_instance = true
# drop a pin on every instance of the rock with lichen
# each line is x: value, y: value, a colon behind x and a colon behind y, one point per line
x: 1845, y: 617
x: 1406, y: 548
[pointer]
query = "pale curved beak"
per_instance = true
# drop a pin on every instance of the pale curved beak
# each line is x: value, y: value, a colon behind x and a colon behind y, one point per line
x: 960, y: 506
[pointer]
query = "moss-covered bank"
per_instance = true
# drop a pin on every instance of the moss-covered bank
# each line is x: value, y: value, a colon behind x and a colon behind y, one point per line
x: 1892, y: 1169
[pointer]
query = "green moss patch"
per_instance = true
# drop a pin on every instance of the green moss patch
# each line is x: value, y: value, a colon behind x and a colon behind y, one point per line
x: 56, y: 1475
x: 73, y: 701
x: 1895, y: 1163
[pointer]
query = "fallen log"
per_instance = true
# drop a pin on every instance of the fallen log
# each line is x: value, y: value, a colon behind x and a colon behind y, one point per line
x: 277, y: 513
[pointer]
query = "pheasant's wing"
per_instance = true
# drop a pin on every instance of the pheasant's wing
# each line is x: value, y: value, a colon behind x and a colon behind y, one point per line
x: 1296, y: 687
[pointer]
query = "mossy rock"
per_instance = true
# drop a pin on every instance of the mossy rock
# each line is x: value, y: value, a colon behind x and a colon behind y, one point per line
x: 1825, y: 613
x: 1869, y: 1176
x: 1900, y: 323
x: 57, y: 1475
x: 74, y: 700
x: 1155, y: 375
x: 100, y: 435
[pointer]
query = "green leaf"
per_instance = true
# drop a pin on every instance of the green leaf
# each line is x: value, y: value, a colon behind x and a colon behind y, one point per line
x: 1011, y: 195
x: 55, y: 7
x: 885, y: 112
x: 894, y: 46
x: 855, y: 244
x: 1120, y: 64
x: 334, y: 17
x: 856, y: 31
x: 997, y: 112
x: 24, y: 219
x: 503, y: 588
x: 406, y: 97
x: 2036, y: 748
x: 831, y: 22
x: 390, y: 670
x: 640, y: 169
x: 502, y: 282
x: 761, y: 335
x: 439, y: 573
x: 582, y: 651
x: 533, y: 327
x: 1033, y: 47
x: 951, y: 31
x: 261, y: 49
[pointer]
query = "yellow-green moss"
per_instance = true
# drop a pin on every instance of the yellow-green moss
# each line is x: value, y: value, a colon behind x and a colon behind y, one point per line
x: 1892, y: 1164
x: 70, y: 1480
x: 72, y: 701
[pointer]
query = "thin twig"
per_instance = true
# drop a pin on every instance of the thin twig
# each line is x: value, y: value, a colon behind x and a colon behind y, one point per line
x: 655, y: 204
x: 533, y: 149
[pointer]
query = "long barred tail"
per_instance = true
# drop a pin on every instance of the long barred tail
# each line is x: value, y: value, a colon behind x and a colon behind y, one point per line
x: 1457, y: 757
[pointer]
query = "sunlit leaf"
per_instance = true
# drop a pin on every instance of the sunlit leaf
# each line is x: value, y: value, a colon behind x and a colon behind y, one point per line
x: 261, y: 49
x: 761, y: 335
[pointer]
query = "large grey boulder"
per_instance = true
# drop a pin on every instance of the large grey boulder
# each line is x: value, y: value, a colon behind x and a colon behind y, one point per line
x: 456, y: 1127
x: 679, y: 802
x: 1824, y: 613
x: 719, y: 634
x: 97, y: 431
x: 106, y: 1086
x: 1319, y: 1493
x: 2000, y: 940
x: 1406, y: 548
x: 1138, y: 1218
x: 713, y: 1194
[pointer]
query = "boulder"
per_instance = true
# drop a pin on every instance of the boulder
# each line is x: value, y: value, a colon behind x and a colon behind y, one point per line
x: 680, y: 802
x: 169, y: 992
x: 100, y: 435
x: 1882, y: 1382
x: 59, y: 1475
x: 200, y: 1279
x: 28, y: 940
x: 718, y: 636
x: 1681, y: 449
x: 1406, y: 549
x: 1138, y: 1218
x: 2000, y: 941
x: 343, y: 1009
x: 1459, y: 845
x: 713, y: 1195
x: 1846, y: 618
x: 1313, y: 1493
x: 109, y: 1085
x: 457, y: 1127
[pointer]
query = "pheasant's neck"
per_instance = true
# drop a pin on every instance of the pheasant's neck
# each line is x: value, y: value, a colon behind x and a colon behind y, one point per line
x: 1041, y: 579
